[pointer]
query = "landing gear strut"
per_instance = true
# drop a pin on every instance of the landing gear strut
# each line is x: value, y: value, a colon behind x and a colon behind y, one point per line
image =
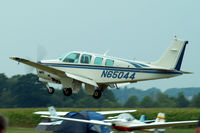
x: 51, y: 90
x: 97, y: 94
x: 67, y: 91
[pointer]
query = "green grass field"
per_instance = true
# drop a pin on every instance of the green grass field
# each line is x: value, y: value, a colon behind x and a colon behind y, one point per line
x: 22, y: 130
x: 24, y: 117
x: 32, y: 130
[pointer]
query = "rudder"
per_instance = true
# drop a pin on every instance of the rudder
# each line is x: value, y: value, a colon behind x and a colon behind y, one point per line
x: 160, y: 117
x: 173, y: 56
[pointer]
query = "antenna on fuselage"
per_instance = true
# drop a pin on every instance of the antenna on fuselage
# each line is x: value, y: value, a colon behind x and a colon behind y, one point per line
x: 106, y: 53
x: 175, y: 37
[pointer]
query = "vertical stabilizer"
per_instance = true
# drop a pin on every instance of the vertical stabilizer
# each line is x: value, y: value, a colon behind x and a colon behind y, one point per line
x: 143, y: 118
x: 160, y: 117
x: 173, y: 56
x: 52, y: 112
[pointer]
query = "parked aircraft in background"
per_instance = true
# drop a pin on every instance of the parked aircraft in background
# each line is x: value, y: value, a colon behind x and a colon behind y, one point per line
x: 126, y: 122
x: 98, y: 72
x: 60, y: 126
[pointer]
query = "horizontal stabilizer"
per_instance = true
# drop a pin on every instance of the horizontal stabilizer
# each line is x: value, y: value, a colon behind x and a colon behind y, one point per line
x: 184, y: 72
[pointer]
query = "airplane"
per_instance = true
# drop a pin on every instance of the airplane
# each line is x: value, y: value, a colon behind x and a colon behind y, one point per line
x: 98, y: 72
x: 126, y: 122
x: 53, y: 124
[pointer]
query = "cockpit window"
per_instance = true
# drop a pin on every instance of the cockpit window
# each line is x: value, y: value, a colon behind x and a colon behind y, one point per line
x: 72, y: 58
x: 61, y: 58
x: 109, y: 62
x: 98, y: 61
x: 126, y: 117
x: 85, y: 58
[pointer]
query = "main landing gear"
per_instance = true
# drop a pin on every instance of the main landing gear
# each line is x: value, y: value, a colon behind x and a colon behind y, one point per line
x: 97, y: 94
x: 67, y: 91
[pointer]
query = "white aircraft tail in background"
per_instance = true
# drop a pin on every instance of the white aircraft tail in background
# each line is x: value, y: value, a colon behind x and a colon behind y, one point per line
x: 52, y: 111
x: 160, y: 117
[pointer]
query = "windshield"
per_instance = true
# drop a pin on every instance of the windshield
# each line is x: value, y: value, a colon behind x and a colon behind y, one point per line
x: 126, y: 116
x: 72, y: 58
x: 61, y: 58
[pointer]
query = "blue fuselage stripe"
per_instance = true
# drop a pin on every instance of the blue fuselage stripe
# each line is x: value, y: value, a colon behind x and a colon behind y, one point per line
x: 141, y: 70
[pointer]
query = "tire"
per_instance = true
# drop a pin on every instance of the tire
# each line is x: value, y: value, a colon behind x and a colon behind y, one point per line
x: 67, y: 91
x: 97, y: 94
x: 51, y: 90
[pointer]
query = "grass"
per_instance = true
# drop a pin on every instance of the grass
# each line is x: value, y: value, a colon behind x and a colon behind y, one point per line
x: 32, y: 130
x: 22, y: 130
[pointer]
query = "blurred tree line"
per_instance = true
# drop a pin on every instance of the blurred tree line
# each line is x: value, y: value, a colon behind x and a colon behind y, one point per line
x: 28, y: 91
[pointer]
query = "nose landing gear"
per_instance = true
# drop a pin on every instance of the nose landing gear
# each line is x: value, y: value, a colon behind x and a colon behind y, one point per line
x: 51, y: 90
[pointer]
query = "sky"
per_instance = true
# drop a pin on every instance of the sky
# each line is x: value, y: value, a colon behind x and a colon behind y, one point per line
x: 130, y: 29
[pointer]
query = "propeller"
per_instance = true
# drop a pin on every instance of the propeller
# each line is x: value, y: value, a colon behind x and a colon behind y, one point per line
x: 40, y: 55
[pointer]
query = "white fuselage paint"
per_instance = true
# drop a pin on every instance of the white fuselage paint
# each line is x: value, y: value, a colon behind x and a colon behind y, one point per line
x: 123, y: 71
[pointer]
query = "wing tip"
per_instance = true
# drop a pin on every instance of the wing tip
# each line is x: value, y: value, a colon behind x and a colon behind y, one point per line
x: 15, y: 58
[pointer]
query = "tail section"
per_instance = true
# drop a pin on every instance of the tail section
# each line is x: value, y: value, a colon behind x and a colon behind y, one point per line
x: 143, y: 118
x: 52, y: 112
x: 173, y: 56
x: 49, y: 124
x: 160, y: 117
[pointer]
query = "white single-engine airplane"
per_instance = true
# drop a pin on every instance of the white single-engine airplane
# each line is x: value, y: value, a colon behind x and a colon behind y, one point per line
x: 98, y: 72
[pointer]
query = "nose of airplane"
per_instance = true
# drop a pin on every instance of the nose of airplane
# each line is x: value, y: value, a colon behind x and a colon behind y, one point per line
x: 39, y: 62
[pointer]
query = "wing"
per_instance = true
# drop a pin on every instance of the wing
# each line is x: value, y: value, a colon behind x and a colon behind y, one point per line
x: 39, y: 66
x: 100, y: 112
x: 163, y: 125
x: 48, y: 113
x: 149, y: 121
x: 115, y: 112
x: 82, y: 79
x: 54, y: 71
x: 95, y: 122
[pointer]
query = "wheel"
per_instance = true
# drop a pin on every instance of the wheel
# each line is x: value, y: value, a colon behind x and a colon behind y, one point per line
x: 97, y: 94
x: 51, y: 90
x: 67, y: 91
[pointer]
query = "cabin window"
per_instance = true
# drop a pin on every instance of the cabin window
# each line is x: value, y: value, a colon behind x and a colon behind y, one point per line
x: 109, y: 62
x: 72, y: 58
x: 85, y: 58
x: 98, y: 61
